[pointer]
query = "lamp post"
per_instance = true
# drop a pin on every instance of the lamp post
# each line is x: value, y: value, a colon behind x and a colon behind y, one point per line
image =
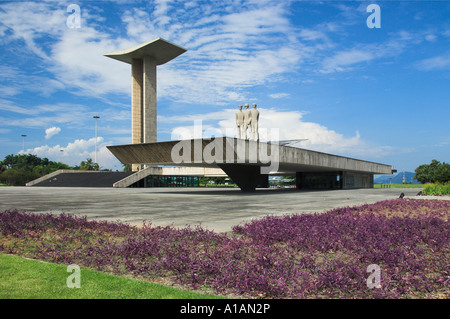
x: 23, y: 142
x: 96, y: 118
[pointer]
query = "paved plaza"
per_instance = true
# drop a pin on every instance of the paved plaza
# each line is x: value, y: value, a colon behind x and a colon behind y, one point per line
x: 217, y: 209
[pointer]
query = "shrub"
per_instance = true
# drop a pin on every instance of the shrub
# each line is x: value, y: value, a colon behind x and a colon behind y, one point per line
x: 437, y: 189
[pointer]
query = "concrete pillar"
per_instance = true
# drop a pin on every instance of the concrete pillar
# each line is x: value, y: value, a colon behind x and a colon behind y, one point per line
x: 143, y: 102
x: 136, y: 101
x: 149, y: 99
x: 137, y: 90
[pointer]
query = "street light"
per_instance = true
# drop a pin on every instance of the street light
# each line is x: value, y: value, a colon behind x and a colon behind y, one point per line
x: 23, y: 142
x: 96, y: 118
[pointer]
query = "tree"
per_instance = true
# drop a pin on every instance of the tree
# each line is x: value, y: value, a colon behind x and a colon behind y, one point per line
x: 89, y: 165
x: 423, y: 174
x: 17, y: 170
x: 17, y: 177
x: 127, y: 167
x: 442, y: 173
x: 433, y: 172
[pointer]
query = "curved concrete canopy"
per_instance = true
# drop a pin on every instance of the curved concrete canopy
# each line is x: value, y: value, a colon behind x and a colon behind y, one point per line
x: 161, y: 50
x: 290, y: 159
x: 248, y: 163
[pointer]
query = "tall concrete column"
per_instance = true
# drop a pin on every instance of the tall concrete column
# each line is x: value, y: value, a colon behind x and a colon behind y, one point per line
x: 144, y: 59
x: 143, y: 100
x: 137, y: 80
x: 149, y: 99
x: 137, y: 90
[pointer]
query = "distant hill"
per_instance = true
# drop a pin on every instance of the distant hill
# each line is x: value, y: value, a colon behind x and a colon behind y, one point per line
x: 396, y: 178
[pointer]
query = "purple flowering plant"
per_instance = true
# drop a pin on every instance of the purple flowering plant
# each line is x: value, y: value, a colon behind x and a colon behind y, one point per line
x: 321, y: 255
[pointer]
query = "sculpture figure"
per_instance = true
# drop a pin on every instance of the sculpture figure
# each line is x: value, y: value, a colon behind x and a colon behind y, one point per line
x: 240, y: 122
x: 254, y: 123
x: 247, y: 120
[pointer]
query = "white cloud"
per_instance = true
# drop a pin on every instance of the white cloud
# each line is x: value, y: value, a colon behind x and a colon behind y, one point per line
x: 8, y: 106
x: 431, y: 37
x: 74, y: 56
x: 342, y: 60
x: 75, y: 152
x: 52, y: 131
x: 236, y: 46
x: 309, y: 35
x: 231, y: 49
x: 45, y: 115
x: 18, y: 81
x: 231, y: 46
x: 79, y: 62
x: 29, y: 21
x: 441, y: 62
x: 106, y: 159
x: 348, y: 58
x: 279, y: 95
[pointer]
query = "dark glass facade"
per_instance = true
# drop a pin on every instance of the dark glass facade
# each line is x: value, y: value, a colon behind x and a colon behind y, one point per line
x: 319, y: 180
x: 171, y: 181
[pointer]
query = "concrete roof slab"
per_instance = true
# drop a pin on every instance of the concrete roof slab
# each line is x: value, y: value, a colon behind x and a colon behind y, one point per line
x: 289, y: 159
x: 161, y: 50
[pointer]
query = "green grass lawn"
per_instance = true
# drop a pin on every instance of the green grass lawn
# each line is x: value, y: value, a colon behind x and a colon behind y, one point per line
x: 399, y: 185
x: 22, y: 278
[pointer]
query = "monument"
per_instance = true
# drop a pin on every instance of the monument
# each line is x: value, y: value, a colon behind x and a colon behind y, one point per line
x: 240, y: 122
x: 247, y: 120
x: 144, y: 59
x: 254, y: 123
x: 246, y: 160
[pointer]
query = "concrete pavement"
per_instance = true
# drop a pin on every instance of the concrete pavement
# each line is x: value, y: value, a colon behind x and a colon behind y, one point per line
x: 216, y: 209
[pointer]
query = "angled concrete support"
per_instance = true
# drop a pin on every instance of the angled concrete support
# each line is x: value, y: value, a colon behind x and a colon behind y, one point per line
x: 247, y: 177
x: 299, y: 180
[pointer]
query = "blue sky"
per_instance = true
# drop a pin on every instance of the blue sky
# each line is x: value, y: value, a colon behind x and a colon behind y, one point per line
x: 315, y: 69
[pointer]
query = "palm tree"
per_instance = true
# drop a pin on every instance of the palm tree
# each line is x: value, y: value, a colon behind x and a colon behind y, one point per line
x: 89, y: 165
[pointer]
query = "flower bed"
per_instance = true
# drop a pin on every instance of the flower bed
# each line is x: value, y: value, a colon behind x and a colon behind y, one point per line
x: 296, y: 256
